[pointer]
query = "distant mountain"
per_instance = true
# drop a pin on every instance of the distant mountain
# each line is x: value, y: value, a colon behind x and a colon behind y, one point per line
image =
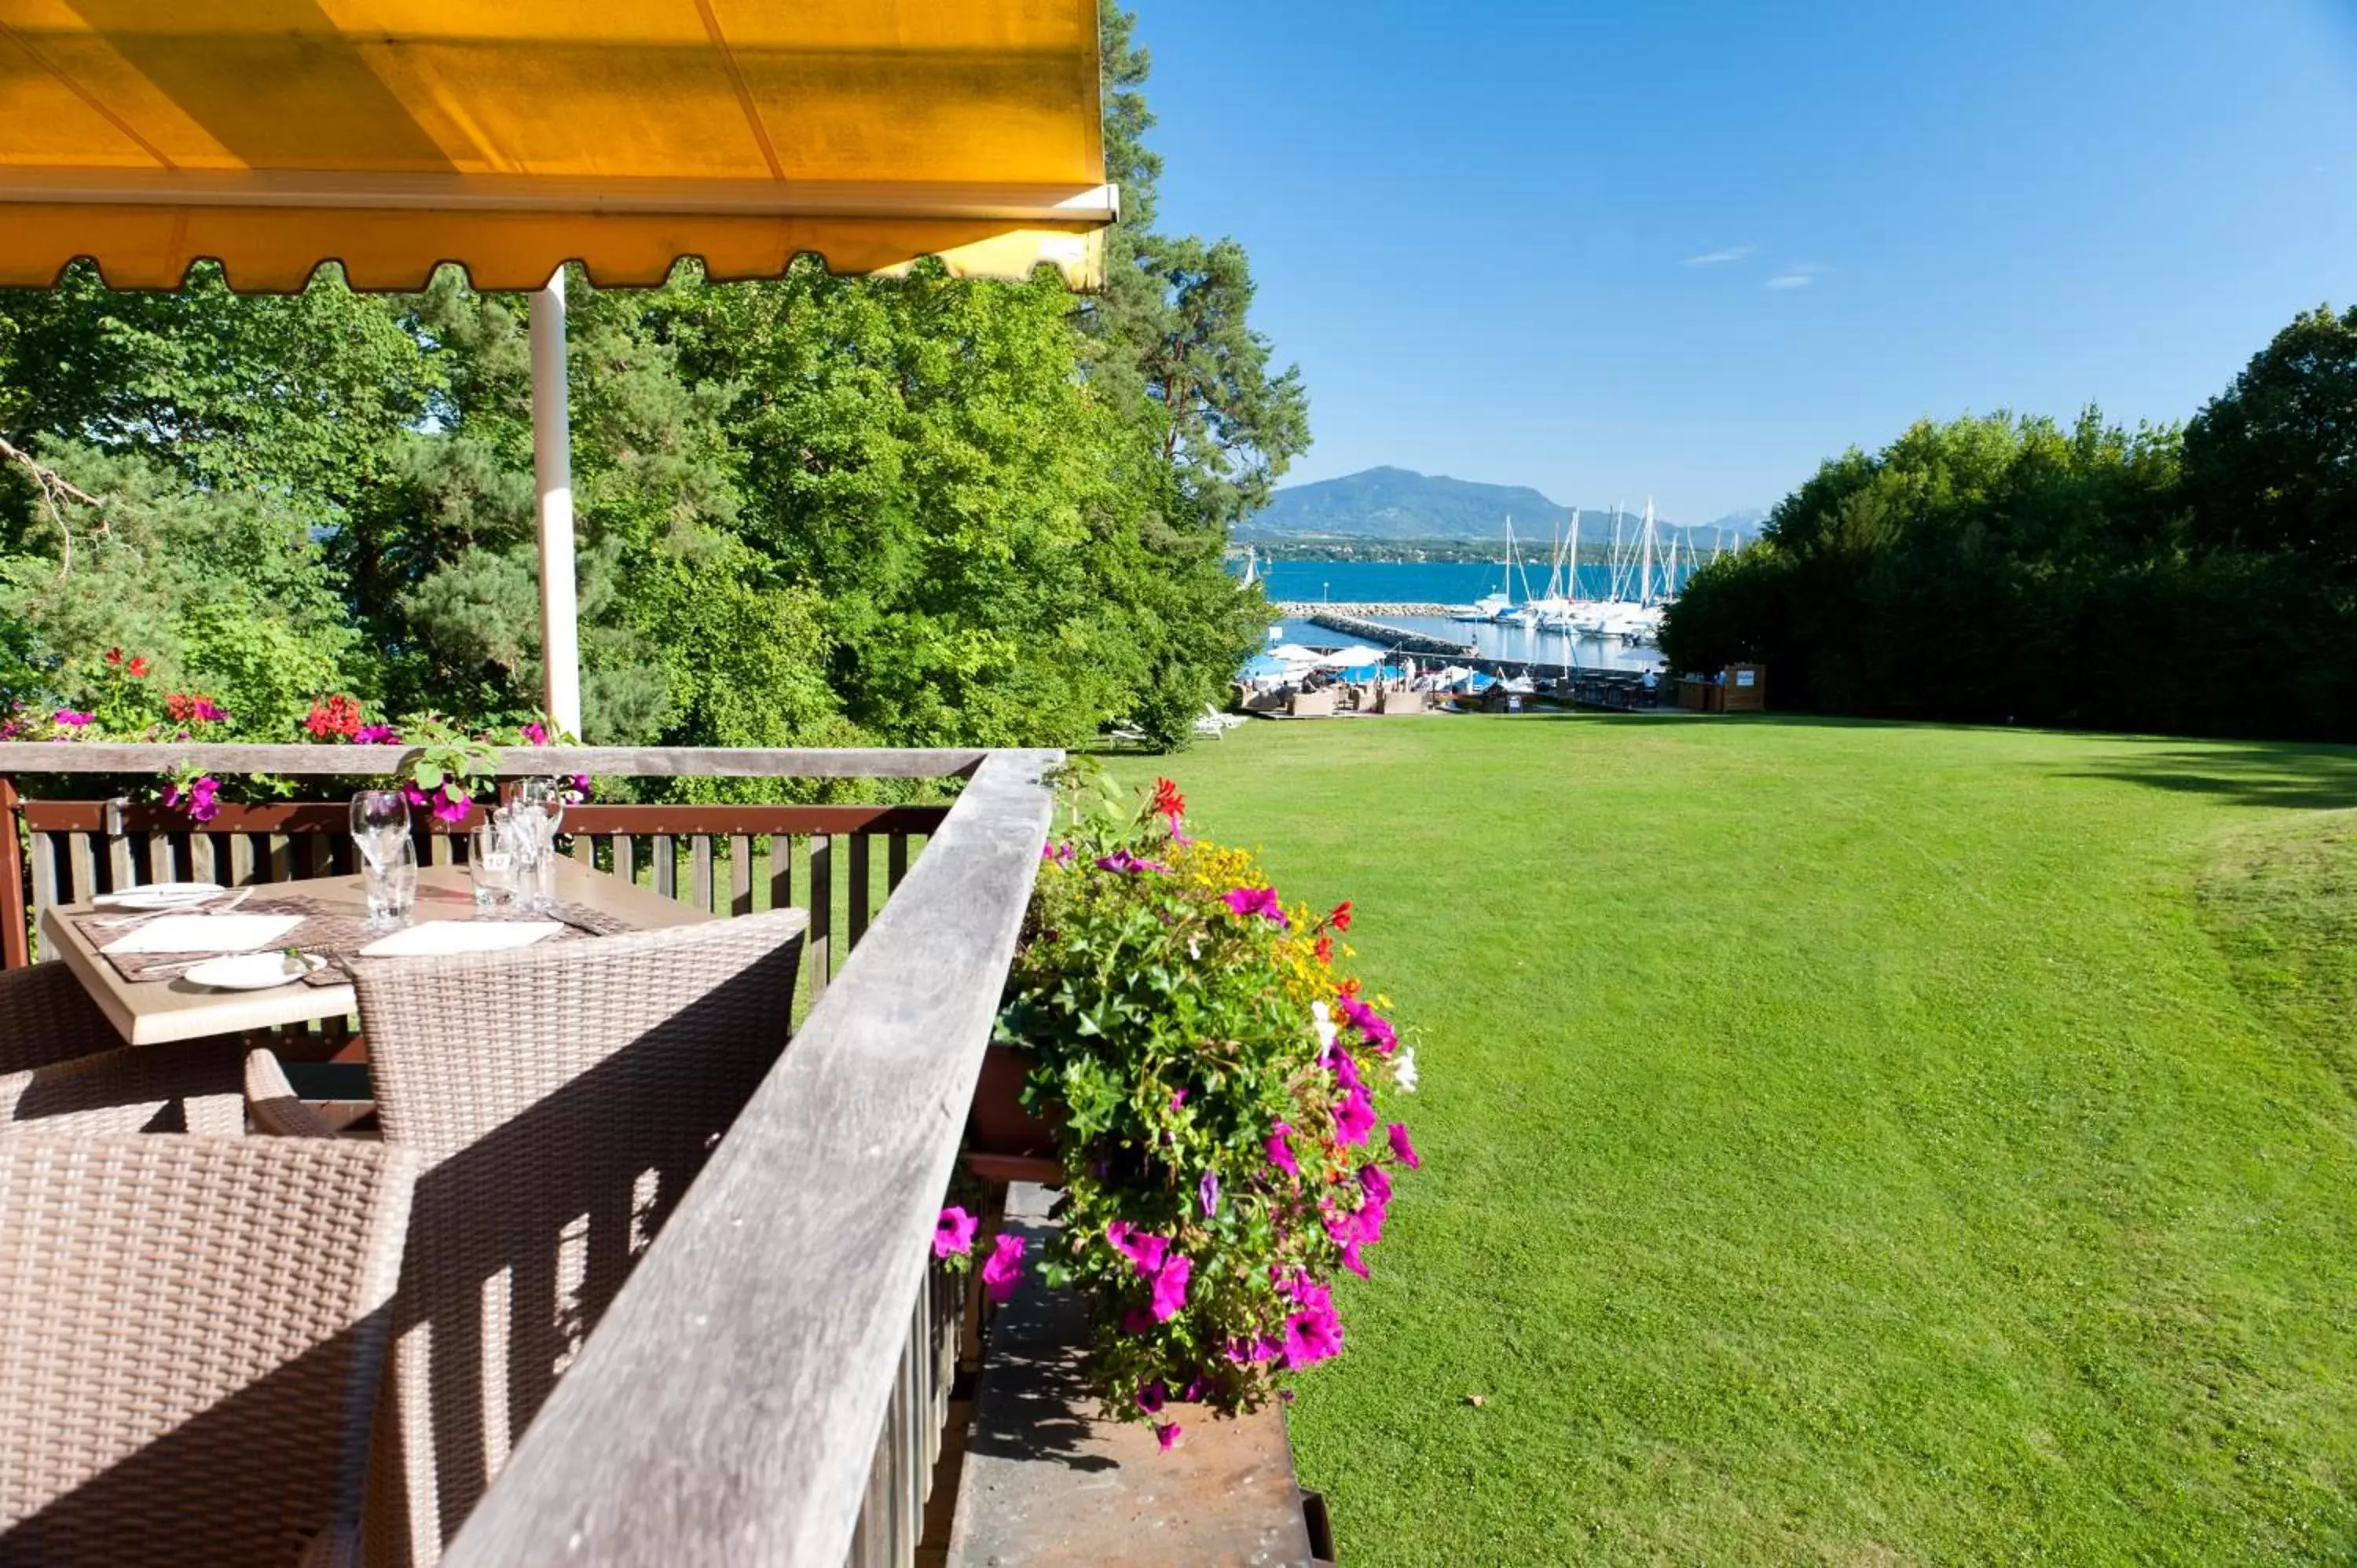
x: 1398, y: 503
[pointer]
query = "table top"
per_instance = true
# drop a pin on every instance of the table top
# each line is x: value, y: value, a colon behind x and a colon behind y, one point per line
x: 151, y: 1012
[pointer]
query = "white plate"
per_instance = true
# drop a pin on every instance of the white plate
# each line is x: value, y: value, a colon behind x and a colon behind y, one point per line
x: 160, y: 896
x: 460, y: 936
x: 206, y: 934
x: 251, y: 970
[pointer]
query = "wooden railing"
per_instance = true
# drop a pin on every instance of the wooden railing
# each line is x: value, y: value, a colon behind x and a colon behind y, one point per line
x: 769, y: 1385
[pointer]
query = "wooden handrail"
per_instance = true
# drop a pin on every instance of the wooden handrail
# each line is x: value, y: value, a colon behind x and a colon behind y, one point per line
x: 727, y: 1409
x: 24, y: 757
x: 332, y: 816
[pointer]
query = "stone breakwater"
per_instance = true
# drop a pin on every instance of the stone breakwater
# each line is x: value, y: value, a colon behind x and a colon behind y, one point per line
x: 1310, y: 609
x: 1341, y: 618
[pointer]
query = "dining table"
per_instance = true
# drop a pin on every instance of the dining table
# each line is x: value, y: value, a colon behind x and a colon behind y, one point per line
x: 150, y: 1000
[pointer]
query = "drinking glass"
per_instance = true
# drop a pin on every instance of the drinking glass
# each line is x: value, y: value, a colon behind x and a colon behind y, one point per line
x: 380, y: 817
x: 392, y: 885
x: 492, y: 866
x: 538, y: 811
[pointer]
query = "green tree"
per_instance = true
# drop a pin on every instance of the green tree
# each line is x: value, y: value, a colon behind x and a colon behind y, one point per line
x: 2271, y: 462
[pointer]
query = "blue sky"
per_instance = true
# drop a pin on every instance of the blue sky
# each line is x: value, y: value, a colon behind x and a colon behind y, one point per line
x: 1691, y: 248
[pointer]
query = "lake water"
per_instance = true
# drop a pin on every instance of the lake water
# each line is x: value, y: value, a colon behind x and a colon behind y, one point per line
x: 1447, y: 583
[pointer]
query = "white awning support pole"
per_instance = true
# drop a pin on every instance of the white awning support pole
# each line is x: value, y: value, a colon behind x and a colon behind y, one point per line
x: 551, y: 471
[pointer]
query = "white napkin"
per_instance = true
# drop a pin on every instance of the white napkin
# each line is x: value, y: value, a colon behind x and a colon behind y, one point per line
x: 205, y: 933
x: 460, y: 936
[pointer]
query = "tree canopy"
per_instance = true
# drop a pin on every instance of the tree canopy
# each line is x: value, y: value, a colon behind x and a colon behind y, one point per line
x: 813, y: 511
x: 2006, y: 569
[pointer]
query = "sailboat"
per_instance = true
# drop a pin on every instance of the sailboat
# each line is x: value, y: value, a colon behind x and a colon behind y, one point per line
x: 1498, y: 607
x: 1553, y: 610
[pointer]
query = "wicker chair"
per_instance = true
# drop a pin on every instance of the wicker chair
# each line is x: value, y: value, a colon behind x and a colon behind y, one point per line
x: 559, y: 1100
x: 47, y: 1017
x: 194, y: 1086
x: 195, y: 1333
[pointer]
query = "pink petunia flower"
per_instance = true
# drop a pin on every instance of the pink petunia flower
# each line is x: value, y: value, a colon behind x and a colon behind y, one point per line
x: 1373, y: 1026
x: 69, y: 719
x: 1170, y: 1288
x: 1003, y: 1271
x: 1311, y: 1336
x: 1397, y: 1132
x: 1207, y: 1193
x: 1122, y: 861
x: 953, y: 1232
x: 375, y: 734
x: 1280, y: 1153
x: 1136, y: 1320
x: 451, y: 804
x: 1151, y: 1398
x: 1143, y: 1248
x: 1377, y: 1182
x: 1167, y: 1436
x: 535, y: 733
x: 1354, y: 1117
x: 1346, y: 1071
x: 1351, y: 1260
x: 1246, y: 902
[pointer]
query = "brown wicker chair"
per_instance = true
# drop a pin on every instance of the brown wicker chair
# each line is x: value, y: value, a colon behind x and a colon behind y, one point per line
x: 194, y: 1333
x: 559, y: 1100
x: 47, y: 1017
x: 191, y: 1086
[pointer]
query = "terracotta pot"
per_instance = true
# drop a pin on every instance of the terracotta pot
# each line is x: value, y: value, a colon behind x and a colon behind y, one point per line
x: 999, y: 1125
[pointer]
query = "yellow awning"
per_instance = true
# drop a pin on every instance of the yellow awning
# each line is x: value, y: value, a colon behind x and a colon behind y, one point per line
x: 511, y: 135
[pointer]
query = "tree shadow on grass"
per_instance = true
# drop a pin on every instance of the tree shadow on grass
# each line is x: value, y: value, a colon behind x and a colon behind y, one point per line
x: 2299, y: 778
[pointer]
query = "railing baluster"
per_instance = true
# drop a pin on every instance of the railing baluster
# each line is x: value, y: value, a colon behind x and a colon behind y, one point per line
x: 45, y: 847
x: 625, y: 857
x: 666, y: 859
x: 740, y: 873
x: 700, y: 853
x: 781, y: 871
x: 81, y: 865
x: 859, y: 891
x: 821, y: 912
x: 16, y: 922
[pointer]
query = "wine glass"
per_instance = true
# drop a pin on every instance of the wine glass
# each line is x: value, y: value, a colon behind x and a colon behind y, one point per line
x: 547, y: 796
x: 380, y: 821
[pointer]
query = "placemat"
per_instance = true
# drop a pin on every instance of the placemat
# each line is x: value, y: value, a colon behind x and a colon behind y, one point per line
x: 335, y: 936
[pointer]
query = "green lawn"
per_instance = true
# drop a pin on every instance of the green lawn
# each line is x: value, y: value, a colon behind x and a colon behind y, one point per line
x: 1843, y: 1142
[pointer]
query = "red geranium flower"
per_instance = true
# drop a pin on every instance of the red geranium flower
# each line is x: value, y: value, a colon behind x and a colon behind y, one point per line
x: 1325, y: 950
x: 139, y: 668
x: 1340, y: 919
x: 336, y: 715
x: 1167, y: 802
x: 114, y: 656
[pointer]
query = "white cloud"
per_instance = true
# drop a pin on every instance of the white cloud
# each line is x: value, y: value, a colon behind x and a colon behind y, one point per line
x: 1719, y: 258
x: 1798, y: 275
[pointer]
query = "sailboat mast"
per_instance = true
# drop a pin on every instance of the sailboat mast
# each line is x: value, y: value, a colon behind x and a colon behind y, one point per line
x: 1612, y: 566
x: 1645, y: 573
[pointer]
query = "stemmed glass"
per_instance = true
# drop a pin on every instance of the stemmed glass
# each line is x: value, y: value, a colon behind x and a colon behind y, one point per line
x: 380, y: 822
